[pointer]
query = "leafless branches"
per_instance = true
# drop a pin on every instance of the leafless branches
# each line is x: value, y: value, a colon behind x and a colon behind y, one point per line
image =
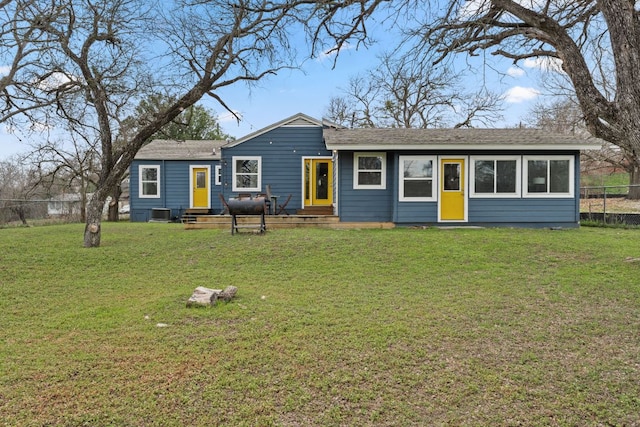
x: 82, y: 65
x: 597, y: 44
x: 407, y: 91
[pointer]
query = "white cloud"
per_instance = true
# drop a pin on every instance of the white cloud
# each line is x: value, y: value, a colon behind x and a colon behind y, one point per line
x: 227, y: 117
x: 472, y: 8
x: 54, y: 81
x: 4, y: 70
x: 333, y: 52
x: 515, y: 72
x: 544, y: 64
x: 518, y: 94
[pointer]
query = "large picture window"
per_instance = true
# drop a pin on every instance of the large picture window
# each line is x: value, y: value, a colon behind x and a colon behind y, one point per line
x: 417, y: 181
x: 247, y: 173
x: 149, y: 181
x: 495, y: 176
x: 549, y: 176
x: 369, y: 170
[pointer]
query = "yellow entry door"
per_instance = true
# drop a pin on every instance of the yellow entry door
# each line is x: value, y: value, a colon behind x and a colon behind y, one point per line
x: 200, y: 187
x: 452, y: 185
x: 318, y: 182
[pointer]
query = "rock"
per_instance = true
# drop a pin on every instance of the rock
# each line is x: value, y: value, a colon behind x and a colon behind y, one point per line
x: 228, y: 293
x: 206, y: 297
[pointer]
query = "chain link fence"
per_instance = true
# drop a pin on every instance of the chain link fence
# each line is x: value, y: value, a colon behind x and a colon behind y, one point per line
x: 27, y: 212
x: 609, y: 204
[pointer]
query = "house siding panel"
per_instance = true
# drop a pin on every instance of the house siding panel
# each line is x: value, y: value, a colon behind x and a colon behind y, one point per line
x: 364, y: 205
x: 174, y: 188
x: 521, y: 210
x: 281, y: 151
x: 417, y: 212
x: 383, y: 205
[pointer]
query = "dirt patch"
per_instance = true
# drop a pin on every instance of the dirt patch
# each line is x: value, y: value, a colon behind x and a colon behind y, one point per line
x: 613, y: 205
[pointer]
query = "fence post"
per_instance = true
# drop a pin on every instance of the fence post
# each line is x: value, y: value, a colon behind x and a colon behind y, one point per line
x: 604, y: 204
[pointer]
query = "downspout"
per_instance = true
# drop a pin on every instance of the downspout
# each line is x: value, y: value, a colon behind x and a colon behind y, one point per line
x: 336, y: 183
x: 164, y: 186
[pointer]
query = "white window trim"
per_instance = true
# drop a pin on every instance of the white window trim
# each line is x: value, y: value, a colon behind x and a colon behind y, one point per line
x: 234, y: 160
x: 140, y: 182
x: 495, y: 195
x: 525, y: 177
x: 383, y: 176
x: 218, y: 175
x: 434, y: 179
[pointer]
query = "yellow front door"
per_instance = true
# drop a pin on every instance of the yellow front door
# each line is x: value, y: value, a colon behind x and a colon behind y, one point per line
x: 318, y: 182
x: 452, y: 185
x: 200, y: 187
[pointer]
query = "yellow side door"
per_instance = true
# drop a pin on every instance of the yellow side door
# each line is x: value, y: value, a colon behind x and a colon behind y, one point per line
x: 200, y: 187
x: 318, y: 182
x: 452, y: 194
x: 322, y: 170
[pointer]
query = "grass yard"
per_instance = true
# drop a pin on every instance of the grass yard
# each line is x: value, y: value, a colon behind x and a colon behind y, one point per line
x: 493, y: 327
x: 610, y: 179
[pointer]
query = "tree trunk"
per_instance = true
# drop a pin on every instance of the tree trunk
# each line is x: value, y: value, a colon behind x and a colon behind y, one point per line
x: 114, y: 205
x: 634, y: 179
x: 92, y: 229
x: 22, y: 214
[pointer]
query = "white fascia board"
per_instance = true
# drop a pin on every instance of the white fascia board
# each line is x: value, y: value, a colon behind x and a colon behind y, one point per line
x: 463, y: 147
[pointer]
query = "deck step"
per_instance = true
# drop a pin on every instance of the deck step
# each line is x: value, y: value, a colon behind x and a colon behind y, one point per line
x: 196, y: 211
x: 274, y: 222
x: 316, y: 210
x: 191, y: 215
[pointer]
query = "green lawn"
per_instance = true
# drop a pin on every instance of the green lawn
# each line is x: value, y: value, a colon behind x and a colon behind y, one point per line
x: 617, y: 183
x: 329, y: 328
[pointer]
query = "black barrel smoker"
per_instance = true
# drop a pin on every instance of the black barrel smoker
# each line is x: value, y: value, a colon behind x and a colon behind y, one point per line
x: 250, y: 207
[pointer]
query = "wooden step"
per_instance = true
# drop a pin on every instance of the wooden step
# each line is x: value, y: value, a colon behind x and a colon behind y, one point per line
x: 316, y: 210
x: 276, y: 222
x: 191, y: 215
x: 196, y: 211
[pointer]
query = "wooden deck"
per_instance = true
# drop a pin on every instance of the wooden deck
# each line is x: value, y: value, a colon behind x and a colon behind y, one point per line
x: 273, y: 222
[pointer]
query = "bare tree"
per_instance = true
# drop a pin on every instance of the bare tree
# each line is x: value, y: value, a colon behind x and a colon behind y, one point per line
x: 68, y: 166
x: 356, y: 108
x: 596, y: 43
x: 341, y: 112
x: 19, y: 190
x: 407, y: 91
x: 91, y: 61
x: 563, y: 115
x: 23, y: 49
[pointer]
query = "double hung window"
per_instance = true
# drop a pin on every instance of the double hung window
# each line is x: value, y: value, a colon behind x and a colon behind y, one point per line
x: 149, y: 181
x: 417, y: 181
x: 247, y: 173
x: 548, y: 176
x: 369, y: 170
x: 497, y: 176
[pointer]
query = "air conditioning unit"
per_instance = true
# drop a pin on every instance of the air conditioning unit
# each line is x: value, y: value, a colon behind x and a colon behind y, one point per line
x: 160, y: 215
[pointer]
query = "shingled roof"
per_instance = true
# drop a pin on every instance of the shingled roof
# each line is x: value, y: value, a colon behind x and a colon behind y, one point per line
x: 166, y: 149
x: 499, y: 139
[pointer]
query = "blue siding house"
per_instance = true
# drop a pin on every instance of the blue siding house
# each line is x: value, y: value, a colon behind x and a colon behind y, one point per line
x: 169, y: 177
x: 288, y: 157
x: 485, y: 177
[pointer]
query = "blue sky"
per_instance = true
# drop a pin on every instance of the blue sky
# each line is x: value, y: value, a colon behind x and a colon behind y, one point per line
x: 310, y: 89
